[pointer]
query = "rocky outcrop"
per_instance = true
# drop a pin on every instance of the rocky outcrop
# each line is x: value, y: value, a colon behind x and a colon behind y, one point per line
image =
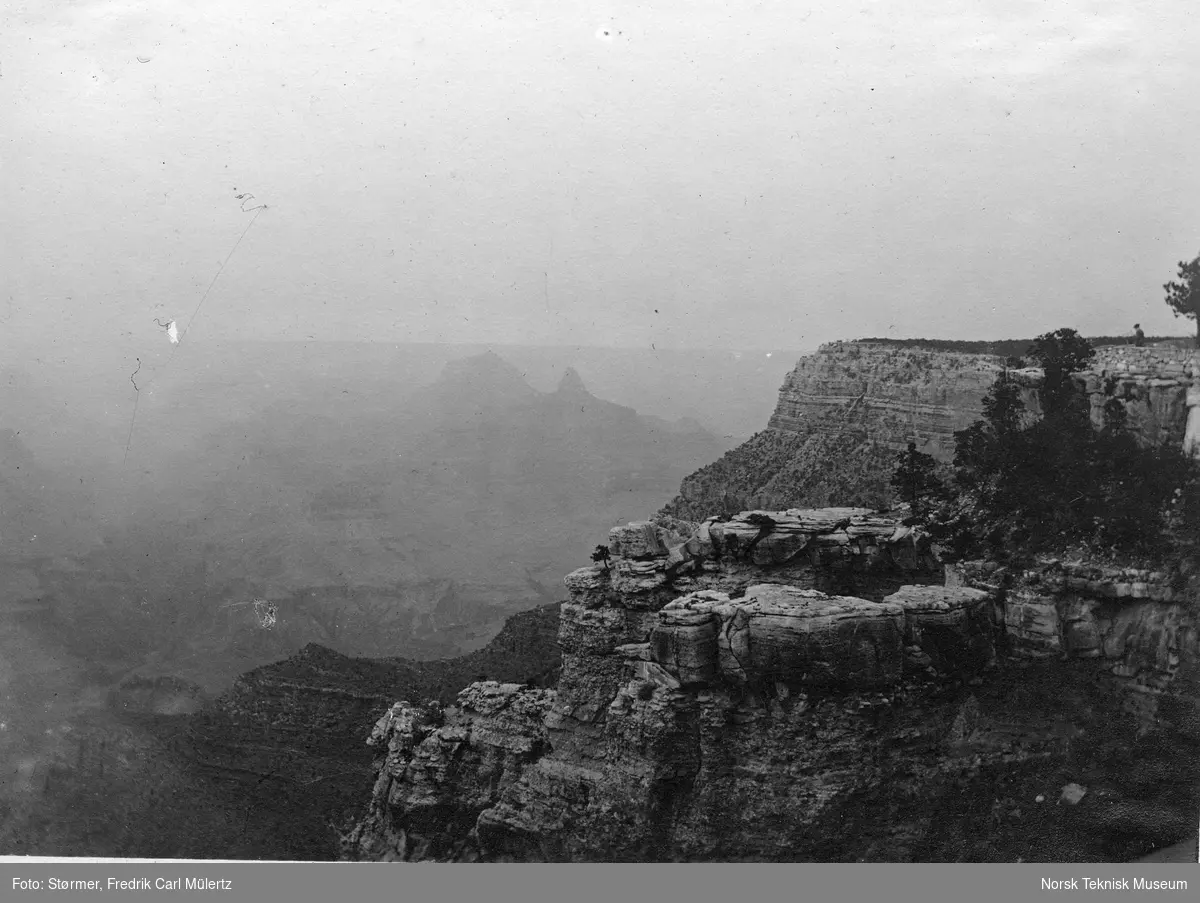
x: 1191, y: 437
x: 913, y: 395
x: 842, y: 415
x: 793, y: 684
x: 1156, y: 386
x: 778, y: 633
x: 443, y: 767
x: 800, y: 685
x: 1140, y: 625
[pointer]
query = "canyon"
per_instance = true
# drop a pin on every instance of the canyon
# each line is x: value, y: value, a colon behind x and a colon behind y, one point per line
x: 815, y: 685
x: 270, y: 769
x: 755, y: 682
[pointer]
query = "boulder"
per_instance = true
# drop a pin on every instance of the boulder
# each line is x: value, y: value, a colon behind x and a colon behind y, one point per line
x: 781, y: 633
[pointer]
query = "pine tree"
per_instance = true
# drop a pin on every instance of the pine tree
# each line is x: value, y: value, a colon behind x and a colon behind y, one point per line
x: 601, y: 555
x: 915, y: 480
x: 1183, y: 297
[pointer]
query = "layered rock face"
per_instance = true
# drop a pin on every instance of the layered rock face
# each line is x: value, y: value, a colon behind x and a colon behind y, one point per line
x: 904, y: 394
x: 844, y: 412
x: 1142, y: 625
x: 444, y: 765
x: 694, y: 668
x: 795, y: 686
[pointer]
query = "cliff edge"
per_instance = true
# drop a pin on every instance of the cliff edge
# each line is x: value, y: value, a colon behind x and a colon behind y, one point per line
x: 844, y: 412
x: 804, y: 686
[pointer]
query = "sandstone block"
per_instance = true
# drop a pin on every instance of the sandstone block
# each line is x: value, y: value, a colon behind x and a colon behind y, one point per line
x: 951, y: 625
x: 1081, y: 634
x: 782, y: 633
x: 631, y: 579
x: 654, y: 673
x: 593, y: 631
x: 685, y: 643
x: 588, y: 582
x: 820, y: 640
x: 638, y: 540
x: 1032, y: 620
x: 634, y: 651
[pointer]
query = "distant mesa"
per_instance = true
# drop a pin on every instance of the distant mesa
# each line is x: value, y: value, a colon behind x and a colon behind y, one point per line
x: 487, y: 362
x: 487, y: 369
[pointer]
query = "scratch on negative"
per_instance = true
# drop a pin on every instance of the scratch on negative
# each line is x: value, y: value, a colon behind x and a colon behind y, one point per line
x: 133, y: 419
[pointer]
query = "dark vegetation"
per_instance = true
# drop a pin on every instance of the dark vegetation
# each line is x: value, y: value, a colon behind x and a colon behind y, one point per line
x: 601, y: 555
x: 777, y: 470
x: 916, y: 481
x: 1058, y: 483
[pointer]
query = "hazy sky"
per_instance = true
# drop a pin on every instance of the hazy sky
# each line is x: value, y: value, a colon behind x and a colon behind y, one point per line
x: 753, y: 175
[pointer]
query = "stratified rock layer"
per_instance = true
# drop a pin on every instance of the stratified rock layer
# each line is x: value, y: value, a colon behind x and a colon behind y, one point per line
x: 910, y: 394
x: 844, y: 412
x: 445, y: 766
x: 779, y: 633
x: 906, y: 395
x: 794, y: 685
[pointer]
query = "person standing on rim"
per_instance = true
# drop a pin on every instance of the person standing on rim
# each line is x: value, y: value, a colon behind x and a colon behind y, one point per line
x: 1139, y: 337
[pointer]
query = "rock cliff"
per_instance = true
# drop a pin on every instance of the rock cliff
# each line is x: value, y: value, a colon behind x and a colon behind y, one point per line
x: 904, y: 394
x: 844, y: 412
x: 802, y: 685
x: 1157, y: 386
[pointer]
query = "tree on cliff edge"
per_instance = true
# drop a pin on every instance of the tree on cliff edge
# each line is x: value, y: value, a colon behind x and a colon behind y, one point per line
x: 1183, y: 297
x: 915, y: 480
x: 601, y: 555
x: 1059, y: 354
x: 1056, y: 483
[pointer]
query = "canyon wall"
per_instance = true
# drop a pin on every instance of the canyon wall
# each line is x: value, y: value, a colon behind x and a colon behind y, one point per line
x: 802, y: 685
x: 1157, y: 386
x: 901, y: 394
x: 907, y: 395
x: 792, y: 684
x: 844, y: 412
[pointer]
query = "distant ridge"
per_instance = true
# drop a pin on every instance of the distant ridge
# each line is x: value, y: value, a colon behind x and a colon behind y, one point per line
x: 1012, y: 347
